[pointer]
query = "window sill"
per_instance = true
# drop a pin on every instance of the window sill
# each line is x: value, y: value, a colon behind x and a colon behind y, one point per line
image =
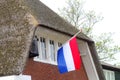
x: 45, y: 61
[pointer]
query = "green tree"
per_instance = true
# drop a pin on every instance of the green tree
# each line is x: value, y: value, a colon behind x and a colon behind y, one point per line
x: 105, y: 46
x: 74, y: 13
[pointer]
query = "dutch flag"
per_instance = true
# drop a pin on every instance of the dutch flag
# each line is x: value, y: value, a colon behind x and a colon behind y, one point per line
x: 68, y: 57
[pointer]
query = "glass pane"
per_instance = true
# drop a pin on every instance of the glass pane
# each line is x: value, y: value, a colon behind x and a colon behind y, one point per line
x: 109, y: 75
x: 52, y: 50
x: 59, y: 44
x: 43, y: 48
x: 112, y: 76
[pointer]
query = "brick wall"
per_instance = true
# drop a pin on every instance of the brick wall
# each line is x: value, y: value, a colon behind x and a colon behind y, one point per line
x: 42, y: 71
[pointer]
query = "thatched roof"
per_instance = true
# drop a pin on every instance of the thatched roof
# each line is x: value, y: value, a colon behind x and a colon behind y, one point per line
x: 17, y: 24
x: 16, y: 30
x: 49, y: 18
x: 110, y: 67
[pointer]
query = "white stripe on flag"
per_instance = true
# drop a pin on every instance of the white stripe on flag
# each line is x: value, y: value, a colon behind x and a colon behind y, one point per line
x: 68, y: 57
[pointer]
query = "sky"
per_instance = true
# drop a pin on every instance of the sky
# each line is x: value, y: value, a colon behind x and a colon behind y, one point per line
x: 109, y: 9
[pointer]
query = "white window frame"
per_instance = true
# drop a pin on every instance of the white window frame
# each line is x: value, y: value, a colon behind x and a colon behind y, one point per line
x: 16, y: 77
x: 48, y: 60
x: 109, y: 75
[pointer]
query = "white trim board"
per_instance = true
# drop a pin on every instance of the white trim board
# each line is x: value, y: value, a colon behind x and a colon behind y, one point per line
x: 88, y: 61
x: 16, y: 77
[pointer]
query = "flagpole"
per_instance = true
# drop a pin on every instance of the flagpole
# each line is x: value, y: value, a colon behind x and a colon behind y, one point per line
x: 72, y: 37
x: 75, y: 34
x: 69, y: 39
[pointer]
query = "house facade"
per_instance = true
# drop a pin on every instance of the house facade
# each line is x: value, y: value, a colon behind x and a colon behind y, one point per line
x: 51, y: 32
x: 44, y: 66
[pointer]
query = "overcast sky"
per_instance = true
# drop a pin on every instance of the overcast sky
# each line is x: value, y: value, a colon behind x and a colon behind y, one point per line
x: 111, y: 13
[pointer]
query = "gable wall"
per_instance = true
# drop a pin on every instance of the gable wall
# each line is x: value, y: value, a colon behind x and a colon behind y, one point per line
x: 43, y: 71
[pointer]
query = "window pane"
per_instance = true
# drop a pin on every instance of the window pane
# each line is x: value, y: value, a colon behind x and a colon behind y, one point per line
x: 112, y: 76
x: 43, y: 48
x: 109, y: 75
x: 59, y: 44
x: 52, y: 50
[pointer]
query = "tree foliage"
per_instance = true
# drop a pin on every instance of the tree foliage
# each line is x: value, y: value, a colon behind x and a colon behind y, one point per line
x: 105, y: 46
x: 74, y: 13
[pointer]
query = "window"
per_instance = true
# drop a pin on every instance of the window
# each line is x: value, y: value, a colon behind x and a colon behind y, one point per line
x: 47, y: 49
x: 109, y: 75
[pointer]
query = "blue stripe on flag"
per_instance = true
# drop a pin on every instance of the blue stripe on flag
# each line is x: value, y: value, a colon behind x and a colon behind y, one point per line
x: 61, y: 61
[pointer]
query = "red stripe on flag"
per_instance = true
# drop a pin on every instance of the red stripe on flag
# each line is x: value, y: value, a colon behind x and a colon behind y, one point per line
x: 75, y: 53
